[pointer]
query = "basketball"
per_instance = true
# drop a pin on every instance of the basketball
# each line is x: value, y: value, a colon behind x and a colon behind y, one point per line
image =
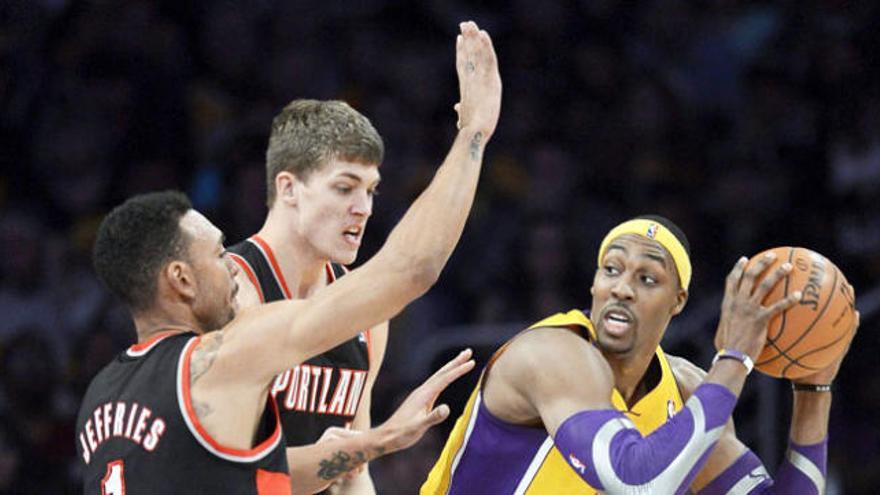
x: 810, y: 335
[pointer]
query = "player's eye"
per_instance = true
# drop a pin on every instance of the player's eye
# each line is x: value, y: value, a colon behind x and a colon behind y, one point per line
x: 649, y: 280
x: 343, y: 189
x: 610, y: 270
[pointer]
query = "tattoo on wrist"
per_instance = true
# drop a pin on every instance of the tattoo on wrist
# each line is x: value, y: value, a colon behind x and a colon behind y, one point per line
x: 342, y: 462
x: 475, y: 145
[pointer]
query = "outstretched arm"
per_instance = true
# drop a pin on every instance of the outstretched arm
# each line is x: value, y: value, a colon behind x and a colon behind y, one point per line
x: 416, y: 250
x: 733, y: 468
x: 314, y: 467
x: 237, y: 364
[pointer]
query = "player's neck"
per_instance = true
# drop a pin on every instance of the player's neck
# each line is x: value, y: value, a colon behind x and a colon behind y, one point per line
x: 160, y: 320
x: 629, y: 376
x: 304, y: 269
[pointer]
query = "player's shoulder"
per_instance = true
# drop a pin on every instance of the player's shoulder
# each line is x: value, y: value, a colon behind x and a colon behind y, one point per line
x: 240, y: 248
x: 546, y: 352
x: 687, y: 375
x: 546, y: 339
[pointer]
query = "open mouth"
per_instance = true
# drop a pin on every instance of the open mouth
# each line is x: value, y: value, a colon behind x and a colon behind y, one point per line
x: 353, y: 234
x: 617, y: 320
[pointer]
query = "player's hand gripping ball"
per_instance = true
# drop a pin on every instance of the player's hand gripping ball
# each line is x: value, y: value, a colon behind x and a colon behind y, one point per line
x: 810, y: 335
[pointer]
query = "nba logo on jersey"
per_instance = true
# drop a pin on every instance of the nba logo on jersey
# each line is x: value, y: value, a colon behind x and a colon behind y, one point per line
x: 652, y: 231
x: 362, y: 338
x: 576, y: 463
x: 670, y: 409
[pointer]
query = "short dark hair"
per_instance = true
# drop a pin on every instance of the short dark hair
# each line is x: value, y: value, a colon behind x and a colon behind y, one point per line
x: 306, y: 134
x: 136, y: 240
x: 672, y: 227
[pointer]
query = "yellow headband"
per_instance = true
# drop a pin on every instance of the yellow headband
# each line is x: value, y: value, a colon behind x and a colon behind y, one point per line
x: 656, y: 232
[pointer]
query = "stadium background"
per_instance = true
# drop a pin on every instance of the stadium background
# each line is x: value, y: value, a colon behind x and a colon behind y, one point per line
x: 749, y: 123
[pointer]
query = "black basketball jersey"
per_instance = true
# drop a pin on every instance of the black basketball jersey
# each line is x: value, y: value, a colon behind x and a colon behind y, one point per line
x: 324, y: 391
x: 137, y: 433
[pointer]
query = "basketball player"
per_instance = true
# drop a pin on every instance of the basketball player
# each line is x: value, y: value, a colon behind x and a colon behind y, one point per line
x: 187, y: 409
x: 322, y: 174
x: 563, y: 406
x: 322, y: 170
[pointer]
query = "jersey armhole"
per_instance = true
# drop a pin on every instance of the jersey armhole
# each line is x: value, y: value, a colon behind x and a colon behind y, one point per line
x: 184, y: 400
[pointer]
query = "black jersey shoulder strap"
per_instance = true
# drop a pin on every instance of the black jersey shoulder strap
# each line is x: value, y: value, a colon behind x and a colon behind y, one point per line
x: 255, y: 262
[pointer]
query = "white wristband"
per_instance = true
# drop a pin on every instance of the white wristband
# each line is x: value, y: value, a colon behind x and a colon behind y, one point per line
x: 732, y: 354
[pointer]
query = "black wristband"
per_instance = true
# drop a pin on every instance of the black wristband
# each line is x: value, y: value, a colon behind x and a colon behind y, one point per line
x: 810, y: 387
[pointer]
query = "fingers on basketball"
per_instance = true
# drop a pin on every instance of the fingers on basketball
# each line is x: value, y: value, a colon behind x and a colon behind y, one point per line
x: 754, y: 271
x: 812, y: 314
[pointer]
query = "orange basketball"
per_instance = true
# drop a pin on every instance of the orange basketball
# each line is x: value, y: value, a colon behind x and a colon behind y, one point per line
x: 810, y: 335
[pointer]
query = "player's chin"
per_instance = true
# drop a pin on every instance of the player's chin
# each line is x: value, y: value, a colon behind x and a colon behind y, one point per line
x: 613, y: 344
x: 345, y: 256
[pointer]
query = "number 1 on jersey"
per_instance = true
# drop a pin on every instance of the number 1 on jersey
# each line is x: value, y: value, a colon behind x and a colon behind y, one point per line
x: 113, y: 482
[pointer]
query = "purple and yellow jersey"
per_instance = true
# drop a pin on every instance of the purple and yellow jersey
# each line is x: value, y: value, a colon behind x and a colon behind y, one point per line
x: 487, y: 455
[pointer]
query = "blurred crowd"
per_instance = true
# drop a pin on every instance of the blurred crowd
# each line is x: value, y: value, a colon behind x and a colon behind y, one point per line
x: 749, y: 123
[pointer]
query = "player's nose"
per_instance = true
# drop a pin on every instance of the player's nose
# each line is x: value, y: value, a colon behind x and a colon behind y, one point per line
x: 623, y: 290
x: 362, y: 206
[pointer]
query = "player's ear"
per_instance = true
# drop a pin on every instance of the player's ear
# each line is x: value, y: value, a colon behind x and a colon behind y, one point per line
x: 680, y: 301
x: 180, y: 278
x: 285, y: 188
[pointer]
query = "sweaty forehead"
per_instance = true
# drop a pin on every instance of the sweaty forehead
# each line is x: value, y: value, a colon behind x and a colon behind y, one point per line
x: 200, y: 228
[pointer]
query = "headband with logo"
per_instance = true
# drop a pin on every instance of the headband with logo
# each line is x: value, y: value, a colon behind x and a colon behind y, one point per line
x: 657, y: 232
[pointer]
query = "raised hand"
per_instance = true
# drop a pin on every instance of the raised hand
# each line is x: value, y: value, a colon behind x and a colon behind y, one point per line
x: 744, y: 318
x: 479, y: 82
x: 417, y: 413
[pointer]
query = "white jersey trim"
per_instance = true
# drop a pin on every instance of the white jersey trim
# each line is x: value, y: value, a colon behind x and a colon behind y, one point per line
x: 132, y: 352
x: 750, y: 481
x: 467, y: 436
x: 210, y: 444
x: 530, y: 473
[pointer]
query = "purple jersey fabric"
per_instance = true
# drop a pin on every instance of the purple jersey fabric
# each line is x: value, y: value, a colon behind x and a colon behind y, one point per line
x: 496, y: 455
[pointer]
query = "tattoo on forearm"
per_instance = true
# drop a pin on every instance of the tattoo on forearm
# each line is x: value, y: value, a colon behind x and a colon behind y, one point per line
x: 470, y: 67
x: 475, y: 145
x: 339, y: 464
x: 204, y: 355
x: 342, y: 462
